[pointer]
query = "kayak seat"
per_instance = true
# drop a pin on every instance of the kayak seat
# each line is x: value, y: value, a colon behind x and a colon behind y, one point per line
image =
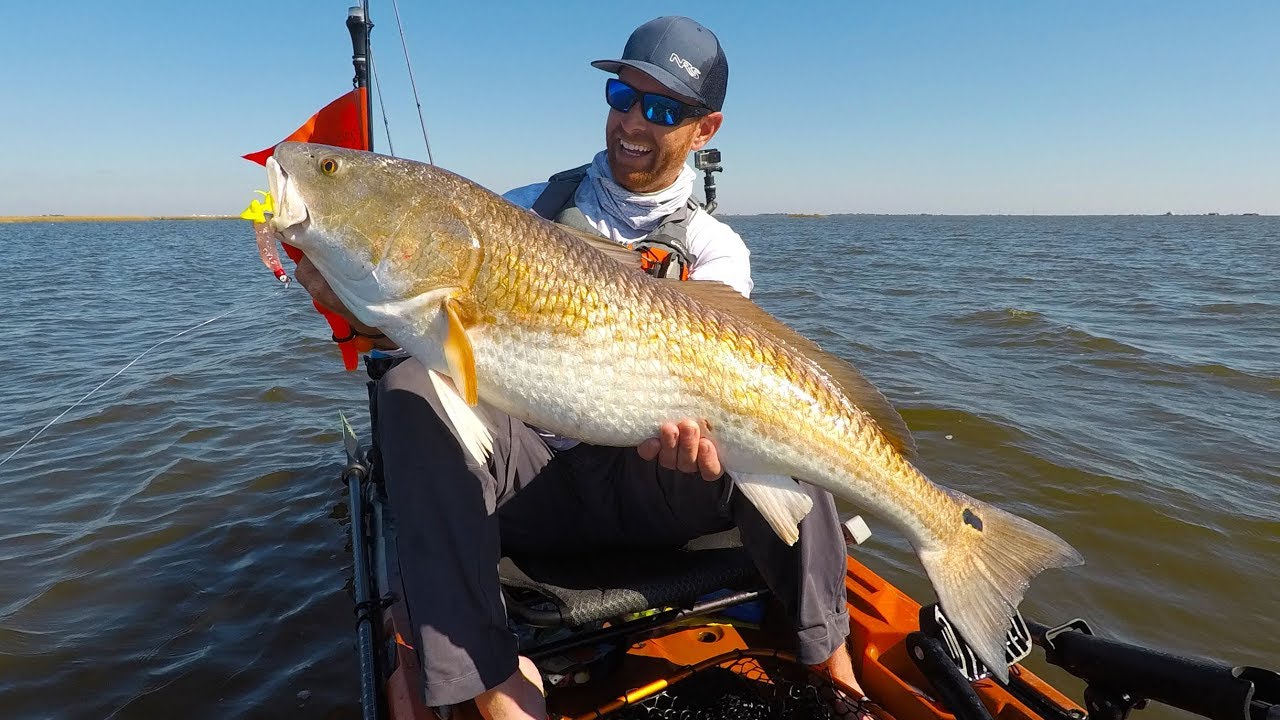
x: 576, y: 589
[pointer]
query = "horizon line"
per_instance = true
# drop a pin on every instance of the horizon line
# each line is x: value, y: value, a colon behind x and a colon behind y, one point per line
x: 61, y: 217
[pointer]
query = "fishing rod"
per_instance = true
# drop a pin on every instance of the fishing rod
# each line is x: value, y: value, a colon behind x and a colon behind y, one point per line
x: 360, y: 26
x: 367, y: 606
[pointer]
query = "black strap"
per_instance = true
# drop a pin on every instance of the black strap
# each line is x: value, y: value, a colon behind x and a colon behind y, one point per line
x: 559, y: 192
x: 355, y: 334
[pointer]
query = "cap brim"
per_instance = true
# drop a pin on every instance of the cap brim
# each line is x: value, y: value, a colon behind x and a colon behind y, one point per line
x: 666, y: 78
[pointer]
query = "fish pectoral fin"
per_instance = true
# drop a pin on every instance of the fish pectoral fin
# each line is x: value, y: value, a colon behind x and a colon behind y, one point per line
x: 779, y: 499
x: 470, y: 425
x: 458, y: 353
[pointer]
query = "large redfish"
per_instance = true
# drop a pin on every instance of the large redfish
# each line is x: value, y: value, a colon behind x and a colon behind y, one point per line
x: 540, y: 323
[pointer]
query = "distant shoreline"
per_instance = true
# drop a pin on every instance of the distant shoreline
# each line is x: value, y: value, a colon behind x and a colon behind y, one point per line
x: 108, y: 218
x: 145, y: 218
x: 985, y: 215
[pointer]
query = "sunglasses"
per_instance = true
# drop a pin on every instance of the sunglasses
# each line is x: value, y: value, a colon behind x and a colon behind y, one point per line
x: 657, y: 109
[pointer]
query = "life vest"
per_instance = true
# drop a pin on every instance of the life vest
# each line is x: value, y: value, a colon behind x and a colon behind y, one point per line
x: 663, y: 252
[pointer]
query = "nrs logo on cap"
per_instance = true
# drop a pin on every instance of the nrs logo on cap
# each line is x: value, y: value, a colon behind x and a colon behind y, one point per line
x: 681, y: 62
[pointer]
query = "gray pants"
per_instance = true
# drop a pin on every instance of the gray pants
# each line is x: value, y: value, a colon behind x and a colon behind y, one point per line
x: 454, y: 521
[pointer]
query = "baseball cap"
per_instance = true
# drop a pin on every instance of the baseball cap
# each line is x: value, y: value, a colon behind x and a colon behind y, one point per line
x: 679, y: 53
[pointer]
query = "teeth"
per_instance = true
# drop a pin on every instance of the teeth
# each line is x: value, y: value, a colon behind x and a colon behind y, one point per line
x: 633, y: 148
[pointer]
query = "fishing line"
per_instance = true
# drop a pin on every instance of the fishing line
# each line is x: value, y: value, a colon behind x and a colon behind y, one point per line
x: 377, y: 90
x: 404, y: 44
x: 131, y: 362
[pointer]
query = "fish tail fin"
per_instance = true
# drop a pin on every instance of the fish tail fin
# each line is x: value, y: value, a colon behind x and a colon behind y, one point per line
x: 982, y: 570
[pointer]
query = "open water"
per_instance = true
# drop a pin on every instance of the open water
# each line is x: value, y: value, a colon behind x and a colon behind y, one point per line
x: 176, y: 546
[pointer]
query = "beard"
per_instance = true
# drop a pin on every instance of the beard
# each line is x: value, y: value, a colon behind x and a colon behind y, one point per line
x: 647, y: 173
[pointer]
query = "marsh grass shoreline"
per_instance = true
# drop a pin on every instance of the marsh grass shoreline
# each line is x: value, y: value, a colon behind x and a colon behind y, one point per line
x: 107, y: 218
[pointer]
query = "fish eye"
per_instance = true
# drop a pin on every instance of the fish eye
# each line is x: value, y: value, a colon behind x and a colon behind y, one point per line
x: 328, y: 166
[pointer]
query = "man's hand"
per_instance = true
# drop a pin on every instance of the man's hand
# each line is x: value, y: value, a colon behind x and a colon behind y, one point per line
x: 310, y: 278
x: 682, y: 447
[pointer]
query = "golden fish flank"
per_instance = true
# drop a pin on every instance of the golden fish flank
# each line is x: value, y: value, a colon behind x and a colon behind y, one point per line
x: 515, y: 308
x: 514, y: 292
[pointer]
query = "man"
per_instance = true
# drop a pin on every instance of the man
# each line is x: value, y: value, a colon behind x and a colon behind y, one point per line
x: 455, y: 519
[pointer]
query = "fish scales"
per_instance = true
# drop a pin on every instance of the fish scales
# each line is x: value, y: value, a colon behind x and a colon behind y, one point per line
x: 681, y: 360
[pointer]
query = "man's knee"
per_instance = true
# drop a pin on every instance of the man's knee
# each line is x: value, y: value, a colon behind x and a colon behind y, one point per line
x: 411, y: 412
x: 824, y: 503
x: 408, y: 386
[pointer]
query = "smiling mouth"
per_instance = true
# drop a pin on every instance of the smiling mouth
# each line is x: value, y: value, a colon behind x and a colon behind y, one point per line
x: 633, y: 150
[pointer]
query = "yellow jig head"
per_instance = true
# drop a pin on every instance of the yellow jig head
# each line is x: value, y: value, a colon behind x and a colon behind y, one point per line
x: 259, y: 210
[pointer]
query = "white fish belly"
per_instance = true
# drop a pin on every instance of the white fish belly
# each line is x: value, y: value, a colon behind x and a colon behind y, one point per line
x: 600, y: 393
x: 618, y: 393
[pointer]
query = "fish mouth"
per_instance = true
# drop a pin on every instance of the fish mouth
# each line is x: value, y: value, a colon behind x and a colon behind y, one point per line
x: 294, y: 224
x: 291, y: 210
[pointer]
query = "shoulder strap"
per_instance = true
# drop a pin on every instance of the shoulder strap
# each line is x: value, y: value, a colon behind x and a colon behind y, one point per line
x: 574, y: 218
x: 674, y: 231
x: 556, y: 203
x: 558, y: 194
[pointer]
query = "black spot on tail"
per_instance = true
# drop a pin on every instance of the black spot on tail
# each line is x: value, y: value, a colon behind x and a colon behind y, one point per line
x: 972, y: 520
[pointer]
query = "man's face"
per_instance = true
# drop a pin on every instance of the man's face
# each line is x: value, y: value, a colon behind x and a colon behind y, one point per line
x: 645, y: 157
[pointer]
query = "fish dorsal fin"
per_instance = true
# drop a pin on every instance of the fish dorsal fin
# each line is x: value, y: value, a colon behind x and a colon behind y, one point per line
x: 615, y: 251
x: 857, y: 388
x: 618, y: 252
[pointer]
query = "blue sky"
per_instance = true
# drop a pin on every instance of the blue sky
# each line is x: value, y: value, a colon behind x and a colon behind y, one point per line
x: 1010, y: 107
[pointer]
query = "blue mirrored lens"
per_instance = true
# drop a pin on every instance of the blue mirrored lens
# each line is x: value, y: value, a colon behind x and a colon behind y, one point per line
x: 619, y: 95
x: 661, y: 110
